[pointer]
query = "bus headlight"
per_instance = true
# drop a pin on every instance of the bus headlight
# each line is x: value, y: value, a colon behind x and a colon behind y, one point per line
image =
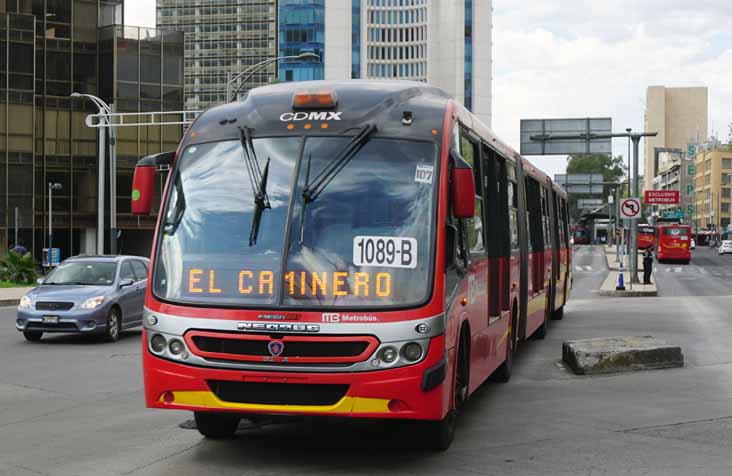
x: 412, y: 351
x: 157, y: 343
x: 389, y: 354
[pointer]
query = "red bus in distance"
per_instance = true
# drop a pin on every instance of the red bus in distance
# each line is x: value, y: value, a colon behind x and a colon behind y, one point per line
x: 646, y: 236
x: 674, y: 243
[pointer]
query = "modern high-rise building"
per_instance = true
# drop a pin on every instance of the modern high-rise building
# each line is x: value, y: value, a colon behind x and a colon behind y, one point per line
x: 222, y: 38
x: 447, y: 43
x: 679, y: 115
x: 49, y: 49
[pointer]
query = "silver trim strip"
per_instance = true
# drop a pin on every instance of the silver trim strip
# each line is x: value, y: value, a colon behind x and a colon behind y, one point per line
x: 393, y: 334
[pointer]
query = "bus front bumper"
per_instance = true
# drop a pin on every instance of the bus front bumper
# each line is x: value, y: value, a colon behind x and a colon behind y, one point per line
x: 416, y: 391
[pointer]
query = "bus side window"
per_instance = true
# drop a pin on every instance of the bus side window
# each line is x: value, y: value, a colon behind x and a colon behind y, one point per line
x: 473, y: 227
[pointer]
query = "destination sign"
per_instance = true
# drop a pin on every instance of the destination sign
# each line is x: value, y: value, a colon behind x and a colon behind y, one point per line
x: 304, y: 284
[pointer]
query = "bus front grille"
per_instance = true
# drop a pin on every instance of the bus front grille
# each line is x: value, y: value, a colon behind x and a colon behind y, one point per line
x: 265, y: 393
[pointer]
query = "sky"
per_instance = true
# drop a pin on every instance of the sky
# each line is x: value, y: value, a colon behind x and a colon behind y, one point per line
x: 594, y: 58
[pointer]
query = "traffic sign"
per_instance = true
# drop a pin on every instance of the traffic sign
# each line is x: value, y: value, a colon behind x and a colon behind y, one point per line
x: 630, y: 208
x: 691, y: 170
x: 690, y: 210
x: 689, y: 189
x: 664, y: 197
x: 691, y: 150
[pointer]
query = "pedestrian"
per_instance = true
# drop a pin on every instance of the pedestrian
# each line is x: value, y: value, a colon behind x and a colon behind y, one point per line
x: 647, y: 265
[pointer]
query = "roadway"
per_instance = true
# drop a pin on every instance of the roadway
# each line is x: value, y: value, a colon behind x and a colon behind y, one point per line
x: 72, y: 407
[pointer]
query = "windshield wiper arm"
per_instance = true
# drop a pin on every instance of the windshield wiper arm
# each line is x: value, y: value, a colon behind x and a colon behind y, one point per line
x: 258, y: 181
x: 311, y: 192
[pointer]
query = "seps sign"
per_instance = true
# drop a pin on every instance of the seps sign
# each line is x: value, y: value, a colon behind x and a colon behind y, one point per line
x: 662, y: 197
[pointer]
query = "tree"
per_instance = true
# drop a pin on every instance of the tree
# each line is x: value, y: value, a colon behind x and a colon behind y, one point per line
x: 611, y: 168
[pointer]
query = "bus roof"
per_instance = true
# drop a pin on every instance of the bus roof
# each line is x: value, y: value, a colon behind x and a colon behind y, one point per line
x: 268, y: 111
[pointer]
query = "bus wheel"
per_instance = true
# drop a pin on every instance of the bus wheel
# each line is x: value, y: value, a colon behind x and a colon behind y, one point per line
x: 216, y: 425
x: 503, y: 373
x: 558, y: 314
x: 441, y: 433
x: 540, y: 332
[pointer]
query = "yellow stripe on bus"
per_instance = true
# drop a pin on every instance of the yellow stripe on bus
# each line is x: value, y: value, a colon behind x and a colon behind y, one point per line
x: 345, y: 405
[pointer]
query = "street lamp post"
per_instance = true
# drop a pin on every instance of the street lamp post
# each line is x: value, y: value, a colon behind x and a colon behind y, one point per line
x: 104, y: 108
x: 247, y: 73
x: 51, y: 187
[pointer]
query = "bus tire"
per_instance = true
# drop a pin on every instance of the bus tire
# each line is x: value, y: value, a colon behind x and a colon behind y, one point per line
x: 504, y: 371
x: 540, y: 332
x: 440, y: 434
x: 558, y: 314
x: 216, y: 425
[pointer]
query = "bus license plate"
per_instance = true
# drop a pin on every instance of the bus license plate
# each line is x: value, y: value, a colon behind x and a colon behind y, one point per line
x: 385, y: 251
x: 50, y: 319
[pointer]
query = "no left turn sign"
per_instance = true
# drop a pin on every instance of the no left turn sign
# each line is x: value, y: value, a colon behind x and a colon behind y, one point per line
x: 630, y: 208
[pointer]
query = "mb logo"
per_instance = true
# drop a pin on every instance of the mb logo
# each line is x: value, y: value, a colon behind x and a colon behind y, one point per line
x: 331, y: 317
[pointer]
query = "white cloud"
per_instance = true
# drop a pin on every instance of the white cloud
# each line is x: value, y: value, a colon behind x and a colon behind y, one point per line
x: 576, y: 58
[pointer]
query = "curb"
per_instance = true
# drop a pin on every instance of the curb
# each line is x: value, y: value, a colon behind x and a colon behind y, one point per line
x: 608, y: 288
x: 616, y: 293
x: 9, y: 302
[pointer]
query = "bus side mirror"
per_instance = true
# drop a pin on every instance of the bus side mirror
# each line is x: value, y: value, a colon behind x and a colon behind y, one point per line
x: 143, y: 182
x: 463, y: 188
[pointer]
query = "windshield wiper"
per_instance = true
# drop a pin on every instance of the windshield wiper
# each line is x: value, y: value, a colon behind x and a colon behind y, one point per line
x: 258, y: 181
x: 170, y: 226
x: 311, y: 192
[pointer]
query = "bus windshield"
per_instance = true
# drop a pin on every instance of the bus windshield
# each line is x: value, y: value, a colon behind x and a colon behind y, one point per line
x: 364, y: 239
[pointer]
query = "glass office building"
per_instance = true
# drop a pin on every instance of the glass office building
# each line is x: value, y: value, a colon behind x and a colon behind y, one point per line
x: 49, y: 49
x: 301, y: 28
x: 222, y: 37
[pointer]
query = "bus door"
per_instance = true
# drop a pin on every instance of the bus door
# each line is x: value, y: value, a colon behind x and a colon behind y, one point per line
x: 557, y: 263
x: 478, y: 265
x: 498, y: 246
x: 536, y: 305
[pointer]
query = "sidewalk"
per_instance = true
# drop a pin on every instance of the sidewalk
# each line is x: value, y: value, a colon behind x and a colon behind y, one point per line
x: 11, y: 296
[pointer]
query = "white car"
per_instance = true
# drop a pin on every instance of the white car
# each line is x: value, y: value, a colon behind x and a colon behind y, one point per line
x: 725, y: 247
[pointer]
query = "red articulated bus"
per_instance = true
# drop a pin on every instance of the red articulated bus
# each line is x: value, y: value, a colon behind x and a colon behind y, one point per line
x: 646, y: 236
x: 674, y: 242
x: 581, y: 234
x: 356, y: 249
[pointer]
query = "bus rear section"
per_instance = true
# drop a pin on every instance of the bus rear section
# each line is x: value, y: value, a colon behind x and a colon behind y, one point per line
x: 321, y: 251
x: 674, y: 243
x: 646, y: 237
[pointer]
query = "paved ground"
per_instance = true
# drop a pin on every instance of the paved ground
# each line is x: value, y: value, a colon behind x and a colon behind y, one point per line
x: 73, y: 407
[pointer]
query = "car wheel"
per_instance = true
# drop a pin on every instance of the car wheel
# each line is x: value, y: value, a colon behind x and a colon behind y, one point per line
x: 32, y: 336
x: 114, y: 324
x: 216, y: 425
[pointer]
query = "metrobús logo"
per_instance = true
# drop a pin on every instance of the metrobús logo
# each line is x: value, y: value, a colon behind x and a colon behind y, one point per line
x: 338, y: 317
x: 311, y: 116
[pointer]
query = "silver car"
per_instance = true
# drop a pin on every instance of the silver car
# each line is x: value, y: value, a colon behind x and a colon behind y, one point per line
x: 99, y: 295
x: 725, y: 247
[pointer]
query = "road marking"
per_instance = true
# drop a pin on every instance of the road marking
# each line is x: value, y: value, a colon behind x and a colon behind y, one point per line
x: 701, y: 270
x: 677, y: 269
x: 588, y: 268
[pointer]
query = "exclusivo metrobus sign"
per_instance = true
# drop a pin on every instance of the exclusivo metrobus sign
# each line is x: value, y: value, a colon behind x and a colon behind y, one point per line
x: 662, y: 197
